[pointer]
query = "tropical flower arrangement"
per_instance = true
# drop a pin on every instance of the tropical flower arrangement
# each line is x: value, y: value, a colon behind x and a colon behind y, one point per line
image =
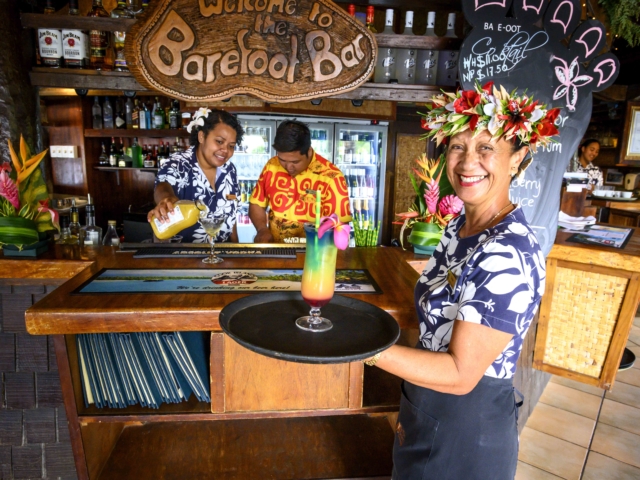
x: 24, y: 199
x: 340, y: 230
x: 435, y: 204
x: 490, y: 108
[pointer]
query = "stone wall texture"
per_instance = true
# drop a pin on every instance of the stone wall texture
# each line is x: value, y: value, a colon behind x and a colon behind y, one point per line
x: 34, y: 433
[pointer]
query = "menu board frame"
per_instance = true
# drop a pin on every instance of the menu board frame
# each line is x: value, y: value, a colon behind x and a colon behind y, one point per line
x: 631, y: 141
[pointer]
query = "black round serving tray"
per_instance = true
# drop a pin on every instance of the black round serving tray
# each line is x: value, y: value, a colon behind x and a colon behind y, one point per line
x: 265, y: 323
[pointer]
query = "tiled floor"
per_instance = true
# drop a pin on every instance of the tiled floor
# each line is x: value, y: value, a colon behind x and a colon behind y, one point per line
x: 577, y: 432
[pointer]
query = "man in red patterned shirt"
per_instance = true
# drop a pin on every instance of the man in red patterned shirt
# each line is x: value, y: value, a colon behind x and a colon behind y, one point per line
x: 284, y: 183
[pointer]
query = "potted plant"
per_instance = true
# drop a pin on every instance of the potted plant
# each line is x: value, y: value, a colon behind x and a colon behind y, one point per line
x: 25, y: 215
x: 434, y: 207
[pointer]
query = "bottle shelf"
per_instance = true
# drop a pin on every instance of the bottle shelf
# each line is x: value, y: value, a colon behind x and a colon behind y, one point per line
x: 419, y: 42
x: 136, y: 132
x: 40, y: 20
x: 119, y: 169
x: 124, y: 81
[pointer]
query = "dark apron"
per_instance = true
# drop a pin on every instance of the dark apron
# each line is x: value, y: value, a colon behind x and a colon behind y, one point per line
x: 441, y: 436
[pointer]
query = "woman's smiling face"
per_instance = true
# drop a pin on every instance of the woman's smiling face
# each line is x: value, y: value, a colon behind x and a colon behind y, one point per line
x: 480, y: 168
x: 218, y: 146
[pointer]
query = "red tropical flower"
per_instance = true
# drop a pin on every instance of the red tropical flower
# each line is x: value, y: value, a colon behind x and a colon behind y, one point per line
x: 487, y: 87
x: 468, y: 100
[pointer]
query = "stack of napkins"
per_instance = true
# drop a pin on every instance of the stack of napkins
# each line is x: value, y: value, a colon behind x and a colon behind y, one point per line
x: 574, y: 223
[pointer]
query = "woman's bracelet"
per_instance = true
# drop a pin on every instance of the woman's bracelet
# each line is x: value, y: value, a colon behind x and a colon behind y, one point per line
x: 373, y: 360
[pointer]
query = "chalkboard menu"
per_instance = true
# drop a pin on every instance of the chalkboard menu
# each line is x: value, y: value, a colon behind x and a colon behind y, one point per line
x: 542, y: 47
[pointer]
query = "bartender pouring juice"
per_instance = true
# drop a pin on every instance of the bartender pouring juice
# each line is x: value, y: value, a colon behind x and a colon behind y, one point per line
x: 288, y: 185
x: 200, y: 182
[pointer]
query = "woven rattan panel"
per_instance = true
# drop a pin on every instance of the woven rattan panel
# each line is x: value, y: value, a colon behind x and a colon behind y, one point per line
x: 583, y: 315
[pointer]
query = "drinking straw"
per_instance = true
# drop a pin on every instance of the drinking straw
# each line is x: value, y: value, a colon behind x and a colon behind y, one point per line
x: 317, y: 209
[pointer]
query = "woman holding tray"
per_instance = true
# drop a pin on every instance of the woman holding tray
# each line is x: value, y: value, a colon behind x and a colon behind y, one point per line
x: 203, y: 172
x: 475, y: 299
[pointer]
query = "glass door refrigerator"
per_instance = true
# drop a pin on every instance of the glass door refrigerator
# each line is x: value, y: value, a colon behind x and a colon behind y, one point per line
x: 249, y: 159
x: 359, y: 152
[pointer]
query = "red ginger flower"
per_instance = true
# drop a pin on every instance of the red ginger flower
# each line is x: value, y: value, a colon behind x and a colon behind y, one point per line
x: 9, y: 190
x: 431, y: 196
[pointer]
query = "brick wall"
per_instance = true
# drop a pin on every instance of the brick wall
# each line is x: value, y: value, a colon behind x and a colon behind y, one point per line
x: 34, y: 433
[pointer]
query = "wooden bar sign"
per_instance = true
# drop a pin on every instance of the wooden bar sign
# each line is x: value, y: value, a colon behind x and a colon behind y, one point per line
x: 276, y: 50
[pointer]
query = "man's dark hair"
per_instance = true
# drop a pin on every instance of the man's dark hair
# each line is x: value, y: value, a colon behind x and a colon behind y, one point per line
x: 588, y: 142
x: 214, y: 118
x: 292, y: 136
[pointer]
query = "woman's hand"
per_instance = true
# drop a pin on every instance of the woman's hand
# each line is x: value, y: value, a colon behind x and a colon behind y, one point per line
x: 162, y: 210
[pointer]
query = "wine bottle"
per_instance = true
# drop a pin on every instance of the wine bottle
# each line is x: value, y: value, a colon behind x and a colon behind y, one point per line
x: 406, y: 57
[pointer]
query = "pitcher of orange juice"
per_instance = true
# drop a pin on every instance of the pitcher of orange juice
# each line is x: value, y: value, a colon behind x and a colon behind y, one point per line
x: 185, y: 214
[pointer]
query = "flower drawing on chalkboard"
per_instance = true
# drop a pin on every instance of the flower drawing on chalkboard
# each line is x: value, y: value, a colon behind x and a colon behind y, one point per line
x: 569, y: 80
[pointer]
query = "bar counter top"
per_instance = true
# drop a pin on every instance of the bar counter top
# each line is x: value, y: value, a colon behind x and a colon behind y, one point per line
x: 66, y: 313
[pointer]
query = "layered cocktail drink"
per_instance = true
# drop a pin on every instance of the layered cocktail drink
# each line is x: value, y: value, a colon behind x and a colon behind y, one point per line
x: 318, y: 277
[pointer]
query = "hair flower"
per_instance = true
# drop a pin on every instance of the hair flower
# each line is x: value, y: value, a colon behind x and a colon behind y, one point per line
x: 198, y: 118
x: 340, y: 230
x: 493, y: 109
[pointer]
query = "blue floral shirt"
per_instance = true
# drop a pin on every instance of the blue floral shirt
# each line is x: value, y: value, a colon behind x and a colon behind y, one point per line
x: 498, y: 279
x: 189, y: 182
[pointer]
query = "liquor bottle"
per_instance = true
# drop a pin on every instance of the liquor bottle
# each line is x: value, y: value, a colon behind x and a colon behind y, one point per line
x: 74, y: 224
x: 136, y: 154
x: 111, y: 238
x: 50, y: 42
x: 65, y: 237
x: 135, y: 115
x: 120, y: 119
x: 149, y: 115
x: 128, y: 112
x: 99, y: 41
x: 351, y: 10
x: 174, y: 115
x: 107, y: 113
x: 158, y: 115
x: 451, y: 26
x: 113, y: 153
x: 90, y: 234
x: 143, y: 114
x: 121, y: 11
x: 145, y: 4
x: 427, y: 62
x: 386, y: 63
x: 96, y: 112
x: 370, y: 18
x: 103, y: 160
x: 154, y: 156
x: 406, y: 57
x: 75, y: 44
x: 176, y: 146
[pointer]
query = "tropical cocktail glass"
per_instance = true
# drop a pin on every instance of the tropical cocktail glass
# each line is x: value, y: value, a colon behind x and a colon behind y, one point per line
x: 318, y: 278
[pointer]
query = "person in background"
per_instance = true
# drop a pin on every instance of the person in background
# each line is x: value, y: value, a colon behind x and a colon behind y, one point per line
x: 203, y: 172
x: 475, y: 298
x: 288, y: 183
x: 587, y: 153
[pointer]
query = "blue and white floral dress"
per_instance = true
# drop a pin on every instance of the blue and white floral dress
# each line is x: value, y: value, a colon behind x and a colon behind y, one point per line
x: 495, y: 278
x: 189, y: 182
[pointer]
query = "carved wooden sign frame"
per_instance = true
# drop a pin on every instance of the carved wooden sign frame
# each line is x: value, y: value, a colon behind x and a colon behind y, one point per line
x: 276, y: 50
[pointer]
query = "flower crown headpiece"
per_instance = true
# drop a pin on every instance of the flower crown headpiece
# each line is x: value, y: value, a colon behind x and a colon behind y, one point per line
x: 198, y: 118
x: 503, y: 114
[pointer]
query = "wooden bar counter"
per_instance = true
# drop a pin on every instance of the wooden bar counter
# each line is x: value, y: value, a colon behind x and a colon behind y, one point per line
x: 267, y: 418
x: 274, y: 419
